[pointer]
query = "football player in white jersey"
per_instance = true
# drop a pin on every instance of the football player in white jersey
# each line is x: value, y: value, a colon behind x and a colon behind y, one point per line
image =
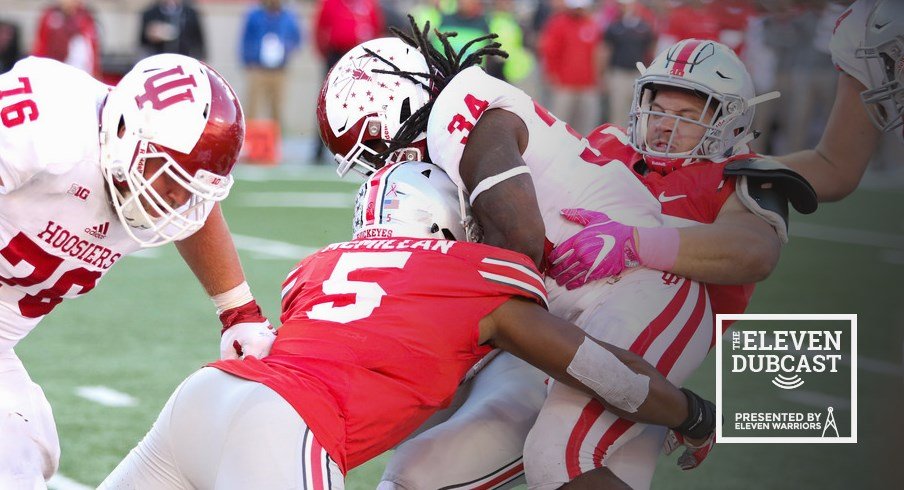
x: 868, y: 48
x: 494, y: 140
x: 90, y: 173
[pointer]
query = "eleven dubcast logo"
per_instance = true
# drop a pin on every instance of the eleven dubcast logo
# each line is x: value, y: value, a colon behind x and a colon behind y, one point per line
x: 786, y: 354
x: 787, y: 379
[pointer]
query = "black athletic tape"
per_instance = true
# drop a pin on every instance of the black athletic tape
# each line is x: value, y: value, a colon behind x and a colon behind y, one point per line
x: 701, y: 419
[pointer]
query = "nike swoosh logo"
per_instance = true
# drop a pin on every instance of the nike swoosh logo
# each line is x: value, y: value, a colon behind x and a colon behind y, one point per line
x: 880, y: 26
x: 608, y: 245
x: 665, y: 198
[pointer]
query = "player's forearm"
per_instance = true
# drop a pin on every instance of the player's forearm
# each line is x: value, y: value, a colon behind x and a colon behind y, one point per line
x: 211, y: 255
x: 508, y: 223
x: 725, y: 254
x: 835, y: 167
x: 830, y: 183
x: 623, y: 381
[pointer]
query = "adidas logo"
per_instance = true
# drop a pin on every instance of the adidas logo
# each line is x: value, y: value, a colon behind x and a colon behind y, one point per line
x: 99, y: 231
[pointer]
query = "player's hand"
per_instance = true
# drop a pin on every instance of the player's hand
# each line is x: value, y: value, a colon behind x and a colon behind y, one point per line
x: 695, y: 451
x: 246, y: 332
x: 603, y: 248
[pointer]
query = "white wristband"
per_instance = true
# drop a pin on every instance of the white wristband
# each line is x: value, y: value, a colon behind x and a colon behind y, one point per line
x: 235, y: 297
x: 487, y: 183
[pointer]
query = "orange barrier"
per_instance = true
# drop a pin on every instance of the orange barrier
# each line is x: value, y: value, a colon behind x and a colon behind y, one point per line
x: 263, y: 142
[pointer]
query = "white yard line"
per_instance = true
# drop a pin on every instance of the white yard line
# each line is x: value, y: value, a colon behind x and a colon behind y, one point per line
x: 272, y: 248
x: 106, y: 396
x: 61, y: 482
x: 817, y: 399
x: 326, y: 173
x: 848, y: 235
x: 146, y: 253
x: 328, y: 200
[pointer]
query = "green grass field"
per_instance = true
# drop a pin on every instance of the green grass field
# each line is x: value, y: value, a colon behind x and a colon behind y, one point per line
x: 149, y: 324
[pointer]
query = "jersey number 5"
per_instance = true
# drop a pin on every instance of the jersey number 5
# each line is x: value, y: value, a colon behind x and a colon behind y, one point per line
x: 20, y: 111
x: 368, y: 295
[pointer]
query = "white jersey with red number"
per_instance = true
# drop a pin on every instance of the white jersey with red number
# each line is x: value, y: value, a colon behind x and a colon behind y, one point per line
x: 559, y: 158
x: 58, y: 231
x: 561, y: 162
x: 848, y: 37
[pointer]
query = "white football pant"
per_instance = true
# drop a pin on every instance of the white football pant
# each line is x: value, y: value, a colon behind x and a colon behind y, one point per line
x: 664, y: 318
x: 224, y: 432
x: 29, y: 445
x: 478, y: 441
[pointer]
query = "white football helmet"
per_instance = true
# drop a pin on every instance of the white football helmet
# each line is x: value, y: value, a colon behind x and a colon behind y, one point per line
x: 359, y: 108
x: 884, y: 54
x: 714, y: 72
x: 413, y: 199
x: 176, y: 108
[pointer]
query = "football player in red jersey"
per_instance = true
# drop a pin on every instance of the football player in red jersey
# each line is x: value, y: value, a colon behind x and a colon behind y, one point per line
x: 522, y: 166
x: 868, y: 48
x: 70, y: 208
x: 376, y: 335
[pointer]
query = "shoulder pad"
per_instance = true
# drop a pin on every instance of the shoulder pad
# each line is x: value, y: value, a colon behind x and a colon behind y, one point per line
x: 764, y: 173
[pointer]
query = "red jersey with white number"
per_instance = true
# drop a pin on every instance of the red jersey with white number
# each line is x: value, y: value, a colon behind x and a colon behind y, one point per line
x: 688, y: 196
x: 377, y: 334
x: 58, y: 231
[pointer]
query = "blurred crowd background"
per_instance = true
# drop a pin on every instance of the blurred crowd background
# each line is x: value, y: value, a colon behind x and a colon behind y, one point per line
x: 578, y: 57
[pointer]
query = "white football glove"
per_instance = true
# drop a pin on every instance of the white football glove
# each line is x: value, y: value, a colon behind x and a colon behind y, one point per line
x: 247, y: 339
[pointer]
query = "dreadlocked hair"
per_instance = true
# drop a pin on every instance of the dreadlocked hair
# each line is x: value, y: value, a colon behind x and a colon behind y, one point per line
x: 443, y: 66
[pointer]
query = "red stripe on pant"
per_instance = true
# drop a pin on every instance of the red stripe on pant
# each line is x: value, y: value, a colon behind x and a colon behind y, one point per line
x: 316, y: 462
x: 594, y: 409
x: 504, y: 477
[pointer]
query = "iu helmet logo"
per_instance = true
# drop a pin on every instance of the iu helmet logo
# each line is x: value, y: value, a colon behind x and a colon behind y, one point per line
x: 670, y: 279
x: 157, y: 85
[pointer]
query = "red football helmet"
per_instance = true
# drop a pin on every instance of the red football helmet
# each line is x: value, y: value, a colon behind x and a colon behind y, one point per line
x: 359, y: 111
x: 180, y: 110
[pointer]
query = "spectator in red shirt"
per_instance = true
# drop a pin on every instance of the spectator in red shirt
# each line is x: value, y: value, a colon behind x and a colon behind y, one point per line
x: 570, y: 47
x: 67, y: 33
x: 343, y: 24
x: 692, y: 19
x: 339, y: 26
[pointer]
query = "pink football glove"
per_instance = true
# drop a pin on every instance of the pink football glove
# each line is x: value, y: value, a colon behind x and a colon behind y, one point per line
x: 693, y: 454
x: 603, y: 248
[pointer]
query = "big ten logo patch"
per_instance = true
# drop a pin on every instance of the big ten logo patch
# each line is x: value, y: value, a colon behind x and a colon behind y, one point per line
x: 787, y: 378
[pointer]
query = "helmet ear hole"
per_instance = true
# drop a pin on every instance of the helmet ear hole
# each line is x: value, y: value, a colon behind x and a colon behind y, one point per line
x: 405, y: 112
x: 448, y: 234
